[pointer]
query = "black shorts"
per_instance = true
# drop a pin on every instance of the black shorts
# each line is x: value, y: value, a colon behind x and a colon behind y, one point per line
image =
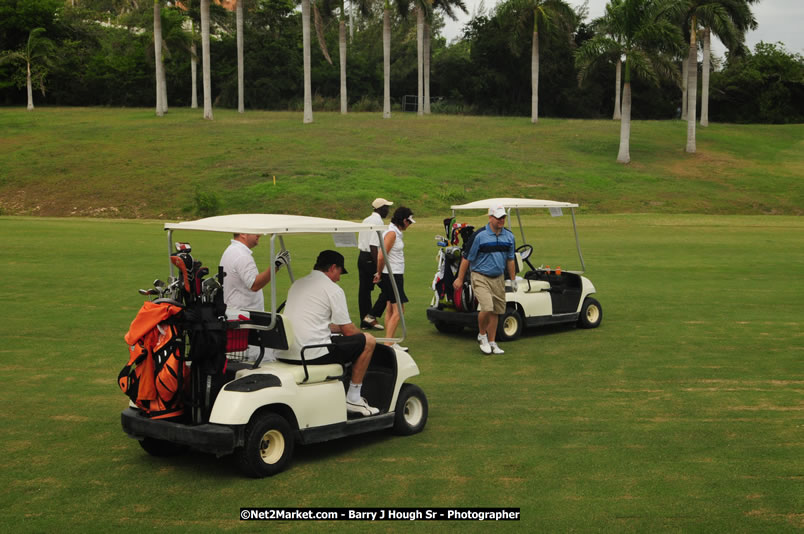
x: 388, y: 290
x: 346, y: 350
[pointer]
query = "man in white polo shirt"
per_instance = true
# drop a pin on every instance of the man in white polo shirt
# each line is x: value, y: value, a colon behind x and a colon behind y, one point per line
x: 243, y: 283
x: 316, y: 307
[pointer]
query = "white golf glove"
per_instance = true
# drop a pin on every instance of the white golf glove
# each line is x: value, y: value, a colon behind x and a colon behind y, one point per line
x: 514, y: 285
x: 283, y: 258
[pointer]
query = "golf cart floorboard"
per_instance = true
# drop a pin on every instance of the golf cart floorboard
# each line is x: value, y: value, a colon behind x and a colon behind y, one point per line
x: 469, y: 319
x: 350, y: 427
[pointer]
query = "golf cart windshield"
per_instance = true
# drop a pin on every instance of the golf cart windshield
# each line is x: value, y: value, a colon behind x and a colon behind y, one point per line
x: 278, y: 225
x: 516, y: 204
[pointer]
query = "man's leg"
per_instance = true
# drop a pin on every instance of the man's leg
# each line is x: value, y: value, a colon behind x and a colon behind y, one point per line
x: 361, y: 364
x: 365, y: 270
x: 491, y: 326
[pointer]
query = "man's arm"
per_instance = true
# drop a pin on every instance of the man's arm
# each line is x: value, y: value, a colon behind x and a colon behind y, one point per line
x: 461, y: 273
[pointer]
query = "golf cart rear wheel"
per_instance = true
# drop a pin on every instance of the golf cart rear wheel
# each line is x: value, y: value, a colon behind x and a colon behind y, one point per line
x: 448, y: 328
x: 268, y: 446
x: 161, y: 448
x: 509, y: 326
x: 591, y: 314
x: 411, y: 410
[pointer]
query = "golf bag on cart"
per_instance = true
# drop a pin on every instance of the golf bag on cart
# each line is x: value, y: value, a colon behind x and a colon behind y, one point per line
x: 449, y: 262
x: 157, y: 377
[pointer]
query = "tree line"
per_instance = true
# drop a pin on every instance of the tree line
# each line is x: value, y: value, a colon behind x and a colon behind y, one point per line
x: 525, y: 57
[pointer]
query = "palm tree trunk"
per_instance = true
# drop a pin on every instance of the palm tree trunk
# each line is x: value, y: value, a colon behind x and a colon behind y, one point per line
x: 194, y: 74
x: 684, y: 82
x: 240, y: 86
x: 692, y: 90
x: 342, y: 53
x: 164, y: 88
x: 624, y: 155
x: 420, y: 60
x: 206, y: 67
x: 618, y: 83
x: 386, y: 63
x: 29, y: 85
x: 426, y: 43
x: 705, y: 79
x: 534, y: 78
x: 308, y: 97
x: 160, y: 107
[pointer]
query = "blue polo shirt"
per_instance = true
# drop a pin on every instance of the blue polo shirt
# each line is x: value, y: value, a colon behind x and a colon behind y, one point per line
x: 489, y: 252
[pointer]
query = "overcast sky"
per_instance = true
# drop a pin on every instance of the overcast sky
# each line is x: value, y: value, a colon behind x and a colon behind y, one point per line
x: 779, y: 20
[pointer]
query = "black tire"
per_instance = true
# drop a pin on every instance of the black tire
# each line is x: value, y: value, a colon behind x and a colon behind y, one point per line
x: 509, y: 327
x: 268, y: 446
x: 448, y: 328
x: 591, y: 313
x: 411, y: 410
x: 161, y: 448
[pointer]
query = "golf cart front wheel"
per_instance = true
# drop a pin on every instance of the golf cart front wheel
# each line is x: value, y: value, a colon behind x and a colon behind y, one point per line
x: 591, y: 314
x: 268, y: 446
x: 411, y: 410
x: 509, y: 326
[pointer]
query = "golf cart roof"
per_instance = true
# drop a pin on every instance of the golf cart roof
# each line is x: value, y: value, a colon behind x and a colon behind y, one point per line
x: 513, y: 203
x: 264, y: 224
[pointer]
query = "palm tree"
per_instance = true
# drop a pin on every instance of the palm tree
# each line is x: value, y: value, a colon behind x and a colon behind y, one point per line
x: 239, y: 27
x: 161, y: 91
x: 448, y: 8
x: 540, y: 17
x: 308, y: 96
x: 743, y: 20
x: 607, y: 24
x: 727, y: 19
x: 36, y: 51
x: 649, y: 38
x: 207, y: 71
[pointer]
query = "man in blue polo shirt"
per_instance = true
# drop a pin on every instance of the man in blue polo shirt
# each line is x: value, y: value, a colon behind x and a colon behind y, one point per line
x: 491, y: 253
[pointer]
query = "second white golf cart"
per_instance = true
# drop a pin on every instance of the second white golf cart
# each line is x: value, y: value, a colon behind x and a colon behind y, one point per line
x: 543, y: 295
x: 259, y: 410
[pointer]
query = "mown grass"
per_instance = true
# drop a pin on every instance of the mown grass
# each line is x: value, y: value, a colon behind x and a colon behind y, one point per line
x: 682, y: 412
x: 129, y: 163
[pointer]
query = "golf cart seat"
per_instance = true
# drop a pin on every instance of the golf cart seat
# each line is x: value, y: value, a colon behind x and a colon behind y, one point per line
x: 280, y: 341
x: 534, y: 286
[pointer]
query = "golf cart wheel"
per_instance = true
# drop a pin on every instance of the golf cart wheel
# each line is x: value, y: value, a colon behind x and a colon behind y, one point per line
x: 161, y: 448
x: 591, y: 314
x: 268, y: 446
x: 509, y: 326
x: 448, y: 328
x: 411, y: 410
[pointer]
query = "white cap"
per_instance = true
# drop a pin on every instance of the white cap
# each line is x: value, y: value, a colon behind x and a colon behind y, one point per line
x: 380, y: 202
x: 497, y: 211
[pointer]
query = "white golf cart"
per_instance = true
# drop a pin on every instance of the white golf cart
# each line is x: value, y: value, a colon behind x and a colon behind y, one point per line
x: 259, y: 410
x: 543, y: 296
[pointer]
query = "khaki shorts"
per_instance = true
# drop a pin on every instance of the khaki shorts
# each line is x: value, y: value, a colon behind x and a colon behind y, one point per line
x: 489, y: 292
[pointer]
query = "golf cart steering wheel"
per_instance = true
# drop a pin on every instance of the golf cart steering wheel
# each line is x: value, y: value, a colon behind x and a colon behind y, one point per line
x: 525, y: 252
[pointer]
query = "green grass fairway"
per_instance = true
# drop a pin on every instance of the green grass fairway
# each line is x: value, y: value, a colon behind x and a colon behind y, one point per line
x: 128, y: 163
x: 683, y: 412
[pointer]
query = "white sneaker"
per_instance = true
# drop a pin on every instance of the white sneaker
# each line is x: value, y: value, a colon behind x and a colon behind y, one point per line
x: 495, y: 349
x: 361, y: 407
x: 397, y: 346
x: 485, y: 347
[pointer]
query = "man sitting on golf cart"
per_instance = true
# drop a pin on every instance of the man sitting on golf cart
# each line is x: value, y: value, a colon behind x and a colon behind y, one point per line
x: 316, y: 307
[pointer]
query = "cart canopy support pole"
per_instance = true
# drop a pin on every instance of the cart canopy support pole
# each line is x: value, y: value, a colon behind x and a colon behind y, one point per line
x: 577, y: 241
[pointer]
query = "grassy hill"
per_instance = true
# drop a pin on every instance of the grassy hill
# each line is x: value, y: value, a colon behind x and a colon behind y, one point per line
x: 128, y: 163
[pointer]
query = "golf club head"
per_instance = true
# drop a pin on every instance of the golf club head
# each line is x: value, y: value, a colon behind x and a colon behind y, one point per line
x: 183, y: 247
x: 159, y: 283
